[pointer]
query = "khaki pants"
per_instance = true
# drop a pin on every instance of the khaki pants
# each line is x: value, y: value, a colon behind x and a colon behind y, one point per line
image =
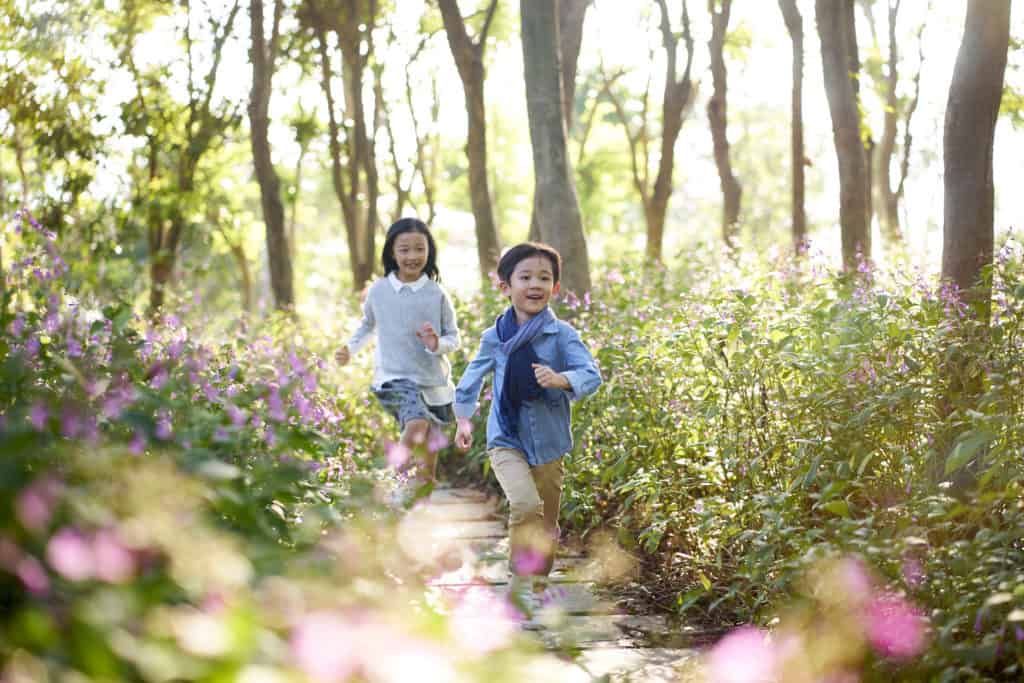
x: 534, y: 496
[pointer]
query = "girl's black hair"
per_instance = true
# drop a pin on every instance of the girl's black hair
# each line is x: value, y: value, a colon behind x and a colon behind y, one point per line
x: 511, y: 258
x: 402, y: 225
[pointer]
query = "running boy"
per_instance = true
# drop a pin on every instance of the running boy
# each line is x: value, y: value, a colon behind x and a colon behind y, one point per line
x: 539, y: 364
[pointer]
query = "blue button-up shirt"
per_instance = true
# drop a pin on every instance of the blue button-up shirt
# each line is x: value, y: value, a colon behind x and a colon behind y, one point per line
x: 545, y: 425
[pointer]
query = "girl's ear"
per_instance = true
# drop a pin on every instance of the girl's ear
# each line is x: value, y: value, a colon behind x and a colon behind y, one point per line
x: 554, y: 290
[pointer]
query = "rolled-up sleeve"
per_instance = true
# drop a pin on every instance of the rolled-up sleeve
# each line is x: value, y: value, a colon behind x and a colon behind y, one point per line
x: 582, y: 372
x: 468, y: 391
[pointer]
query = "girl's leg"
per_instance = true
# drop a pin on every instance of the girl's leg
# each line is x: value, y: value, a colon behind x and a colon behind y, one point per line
x: 414, y: 437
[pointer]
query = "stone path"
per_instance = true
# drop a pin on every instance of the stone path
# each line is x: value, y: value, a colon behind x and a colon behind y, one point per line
x: 471, y: 544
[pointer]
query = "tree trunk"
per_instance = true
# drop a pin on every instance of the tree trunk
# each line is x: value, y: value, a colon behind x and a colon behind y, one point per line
x: 886, y: 195
x: 675, y: 101
x: 555, y: 200
x: 971, y: 111
x: 795, y: 27
x: 718, y: 120
x: 571, y: 14
x: 839, y: 65
x: 469, y: 60
x: 263, y: 56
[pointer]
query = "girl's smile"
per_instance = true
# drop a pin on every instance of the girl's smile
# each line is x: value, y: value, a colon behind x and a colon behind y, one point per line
x: 410, y: 252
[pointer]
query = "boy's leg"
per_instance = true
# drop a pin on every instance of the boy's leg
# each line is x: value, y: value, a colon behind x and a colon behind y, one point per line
x: 548, y: 479
x: 526, y: 532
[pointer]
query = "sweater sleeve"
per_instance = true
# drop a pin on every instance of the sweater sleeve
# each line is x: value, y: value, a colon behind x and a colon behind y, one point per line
x: 448, y: 336
x: 364, y: 333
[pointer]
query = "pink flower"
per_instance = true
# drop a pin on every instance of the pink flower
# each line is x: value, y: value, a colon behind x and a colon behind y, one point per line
x: 34, y: 504
x: 528, y: 561
x: 396, y: 454
x: 482, y: 621
x: 33, y: 575
x: 70, y: 554
x: 114, y: 562
x: 138, y: 443
x: 323, y: 646
x: 742, y: 656
x: 895, y: 628
x: 436, y: 440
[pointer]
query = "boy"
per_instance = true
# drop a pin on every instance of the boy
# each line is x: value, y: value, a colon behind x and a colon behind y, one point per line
x: 539, y: 364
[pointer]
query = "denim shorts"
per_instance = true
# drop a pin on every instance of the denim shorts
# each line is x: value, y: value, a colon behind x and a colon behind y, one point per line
x: 404, y: 399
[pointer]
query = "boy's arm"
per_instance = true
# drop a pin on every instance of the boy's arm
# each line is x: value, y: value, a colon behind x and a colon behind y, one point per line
x: 448, y: 337
x: 582, y: 372
x: 468, y: 391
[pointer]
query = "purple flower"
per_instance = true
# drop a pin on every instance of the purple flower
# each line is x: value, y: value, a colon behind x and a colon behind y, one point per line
x: 528, y: 561
x: 74, y: 347
x: 138, y: 443
x: 17, y: 326
x: 32, y: 347
x: 275, y: 406
x: 895, y: 628
x: 164, y: 432
x: 33, y: 575
x: 71, y: 423
x: 38, y: 416
x: 436, y: 440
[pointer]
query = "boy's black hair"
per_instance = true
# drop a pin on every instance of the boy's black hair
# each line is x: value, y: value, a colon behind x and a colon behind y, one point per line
x: 402, y: 225
x: 511, y: 258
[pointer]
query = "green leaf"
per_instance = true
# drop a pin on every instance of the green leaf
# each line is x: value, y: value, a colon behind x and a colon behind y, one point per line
x: 839, y: 508
x: 965, y: 450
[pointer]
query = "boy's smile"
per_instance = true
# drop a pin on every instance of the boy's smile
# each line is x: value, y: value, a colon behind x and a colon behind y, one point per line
x: 411, y: 251
x: 531, y: 286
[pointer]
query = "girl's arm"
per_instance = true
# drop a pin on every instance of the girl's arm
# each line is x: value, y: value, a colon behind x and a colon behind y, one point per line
x: 582, y: 372
x: 364, y: 333
x: 468, y: 391
x: 448, y: 336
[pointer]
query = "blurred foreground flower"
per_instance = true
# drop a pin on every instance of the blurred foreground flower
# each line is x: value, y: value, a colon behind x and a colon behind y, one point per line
x: 742, y: 656
x: 895, y: 628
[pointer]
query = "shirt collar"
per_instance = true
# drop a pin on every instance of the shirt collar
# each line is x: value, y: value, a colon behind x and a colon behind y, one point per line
x: 414, y: 286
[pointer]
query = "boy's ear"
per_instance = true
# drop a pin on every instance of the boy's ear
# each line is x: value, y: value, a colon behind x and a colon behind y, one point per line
x: 503, y: 286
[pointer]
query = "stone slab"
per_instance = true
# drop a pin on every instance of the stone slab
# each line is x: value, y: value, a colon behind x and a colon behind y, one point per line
x: 448, y: 496
x: 459, y: 512
x: 622, y: 665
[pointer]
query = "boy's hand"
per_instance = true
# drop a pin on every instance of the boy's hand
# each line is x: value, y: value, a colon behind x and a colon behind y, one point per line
x: 428, y: 336
x: 464, y: 434
x: 549, y: 379
x: 343, y: 355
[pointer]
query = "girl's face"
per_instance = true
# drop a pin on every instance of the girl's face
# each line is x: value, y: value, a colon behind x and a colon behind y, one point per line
x: 410, y: 251
x: 531, y: 286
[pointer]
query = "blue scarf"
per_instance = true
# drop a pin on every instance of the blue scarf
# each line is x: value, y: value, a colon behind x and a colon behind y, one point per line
x: 520, y: 382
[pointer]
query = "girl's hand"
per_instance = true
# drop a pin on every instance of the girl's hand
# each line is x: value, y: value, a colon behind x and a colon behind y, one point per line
x: 464, y: 434
x: 428, y: 336
x: 549, y: 379
x: 343, y: 355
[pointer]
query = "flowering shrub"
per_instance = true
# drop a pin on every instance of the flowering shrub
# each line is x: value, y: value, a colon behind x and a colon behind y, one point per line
x: 177, y: 504
x: 758, y: 418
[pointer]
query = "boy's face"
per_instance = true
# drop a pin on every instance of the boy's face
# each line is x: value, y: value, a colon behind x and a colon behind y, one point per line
x: 531, y: 286
x: 411, y: 251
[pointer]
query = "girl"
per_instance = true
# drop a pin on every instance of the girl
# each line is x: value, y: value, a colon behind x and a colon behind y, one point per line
x: 414, y: 321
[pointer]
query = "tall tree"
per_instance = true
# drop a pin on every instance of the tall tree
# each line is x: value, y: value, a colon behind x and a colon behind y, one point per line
x: 353, y: 162
x: 571, y: 15
x: 555, y: 202
x: 677, y: 99
x: 841, y: 68
x: 795, y: 27
x: 177, y: 135
x: 969, y: 132
x: 469, y: 60
x: 896, y: 109
x: 732, y: 191
x: 263, y: 55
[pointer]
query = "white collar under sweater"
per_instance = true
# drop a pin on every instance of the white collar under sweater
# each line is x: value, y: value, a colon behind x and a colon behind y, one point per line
x: 414, y: 286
